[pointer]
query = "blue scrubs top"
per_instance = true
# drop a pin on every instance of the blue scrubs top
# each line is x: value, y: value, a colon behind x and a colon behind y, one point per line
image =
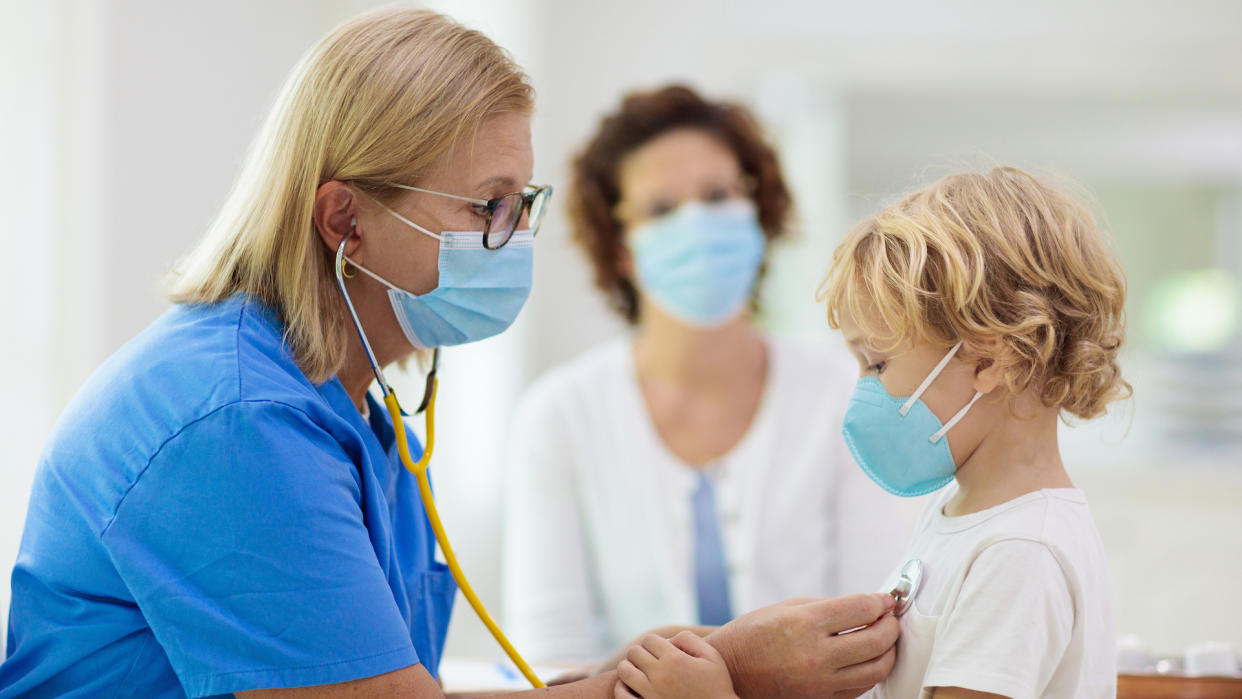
x: 205, y: 520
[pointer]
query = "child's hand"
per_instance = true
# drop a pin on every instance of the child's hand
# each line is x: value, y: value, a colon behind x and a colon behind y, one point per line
x: 684, y: 666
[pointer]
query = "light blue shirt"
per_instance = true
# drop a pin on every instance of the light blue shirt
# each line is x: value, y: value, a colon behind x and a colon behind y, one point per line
x: 205, y: 520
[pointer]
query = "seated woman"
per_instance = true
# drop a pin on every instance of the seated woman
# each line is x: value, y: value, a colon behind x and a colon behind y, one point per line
x: 689, y: 471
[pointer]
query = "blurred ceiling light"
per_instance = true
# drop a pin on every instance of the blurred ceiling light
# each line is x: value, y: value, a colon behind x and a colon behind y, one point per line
x: 1195, y: 312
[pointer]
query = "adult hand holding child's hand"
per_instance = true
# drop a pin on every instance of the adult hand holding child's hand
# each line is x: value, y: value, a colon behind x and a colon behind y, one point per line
x: 805, y: 647
x: 798, y: 648
x: 676, y: 668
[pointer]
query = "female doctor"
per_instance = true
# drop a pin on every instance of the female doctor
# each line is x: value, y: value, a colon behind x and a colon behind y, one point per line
x: 221, y: 508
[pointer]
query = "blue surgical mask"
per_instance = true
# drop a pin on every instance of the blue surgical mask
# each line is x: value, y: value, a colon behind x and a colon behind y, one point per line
x: 699, y: 262
x: 900, y: 442
x: 479, y: 295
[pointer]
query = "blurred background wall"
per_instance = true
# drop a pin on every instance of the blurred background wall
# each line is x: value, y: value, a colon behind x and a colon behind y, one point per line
x: 123, y: 122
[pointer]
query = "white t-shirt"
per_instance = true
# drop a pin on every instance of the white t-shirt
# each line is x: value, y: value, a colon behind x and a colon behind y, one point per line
x: 598, y: 524
x: 1015, y: 601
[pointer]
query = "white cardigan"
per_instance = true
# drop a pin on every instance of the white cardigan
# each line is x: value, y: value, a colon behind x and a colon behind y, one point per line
x: 596, y: 493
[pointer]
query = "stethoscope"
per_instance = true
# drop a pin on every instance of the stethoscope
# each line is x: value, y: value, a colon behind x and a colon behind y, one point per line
x: 419, y: 468
x: 909, y: 581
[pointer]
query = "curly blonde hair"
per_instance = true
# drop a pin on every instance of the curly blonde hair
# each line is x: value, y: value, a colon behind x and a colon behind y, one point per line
x: 993, y: 257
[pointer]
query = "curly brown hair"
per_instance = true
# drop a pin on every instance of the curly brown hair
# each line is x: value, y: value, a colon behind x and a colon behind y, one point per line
x: 595, y: 191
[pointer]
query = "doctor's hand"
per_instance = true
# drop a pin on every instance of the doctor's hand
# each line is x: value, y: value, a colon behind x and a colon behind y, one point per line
x: 800, y: 648
x: 677, y: 668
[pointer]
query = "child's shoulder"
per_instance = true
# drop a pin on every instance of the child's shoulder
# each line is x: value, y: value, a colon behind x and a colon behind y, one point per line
x: 1049, y: 530
x: 1049, y: 514
x: 1052, y: 525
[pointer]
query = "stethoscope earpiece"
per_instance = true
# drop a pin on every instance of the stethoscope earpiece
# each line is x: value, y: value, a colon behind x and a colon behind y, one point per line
x: 353, y: 223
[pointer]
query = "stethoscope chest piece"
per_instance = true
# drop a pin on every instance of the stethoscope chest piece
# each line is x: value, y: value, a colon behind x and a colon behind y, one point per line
x: 907, y: 588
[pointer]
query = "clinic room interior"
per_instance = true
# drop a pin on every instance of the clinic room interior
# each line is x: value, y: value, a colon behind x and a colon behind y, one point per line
x: 125, y: 121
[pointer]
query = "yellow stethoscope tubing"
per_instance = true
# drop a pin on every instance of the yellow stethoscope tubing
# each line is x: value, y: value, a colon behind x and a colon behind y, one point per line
x: 419, y: 470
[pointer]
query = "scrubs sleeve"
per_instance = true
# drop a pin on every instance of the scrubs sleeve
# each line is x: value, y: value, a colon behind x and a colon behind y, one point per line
x: 244, y: 545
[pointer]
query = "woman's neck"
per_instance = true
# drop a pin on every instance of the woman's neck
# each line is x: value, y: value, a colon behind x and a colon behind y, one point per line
x: 673, y: 353
x: 356, y: 374
x: 1016, y: 457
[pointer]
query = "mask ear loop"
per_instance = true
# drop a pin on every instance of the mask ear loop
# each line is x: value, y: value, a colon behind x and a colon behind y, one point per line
x: 905, y: 408
x: 372, y: 275
x: 405, y: 220
x: 940, y: 433
x: 957, y: 417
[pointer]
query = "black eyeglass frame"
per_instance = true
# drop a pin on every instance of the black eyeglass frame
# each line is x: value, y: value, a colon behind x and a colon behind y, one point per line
x: 540, y: 194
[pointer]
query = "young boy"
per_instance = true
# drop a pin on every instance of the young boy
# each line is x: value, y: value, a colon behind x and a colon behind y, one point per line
x: 980, y: 309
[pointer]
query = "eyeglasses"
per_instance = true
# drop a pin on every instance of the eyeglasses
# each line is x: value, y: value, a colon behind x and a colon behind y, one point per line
x: 503, y: 213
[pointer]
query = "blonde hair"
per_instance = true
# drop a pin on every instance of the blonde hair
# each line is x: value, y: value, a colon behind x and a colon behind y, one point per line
x: 381, y: 99
x: 997, y: 256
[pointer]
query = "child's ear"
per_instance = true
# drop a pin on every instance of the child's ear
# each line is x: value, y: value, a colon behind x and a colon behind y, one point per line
x: 990, y: 367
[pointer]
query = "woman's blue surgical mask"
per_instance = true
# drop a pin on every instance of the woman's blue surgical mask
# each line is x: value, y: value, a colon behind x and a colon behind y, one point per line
x: 479, y: 295
x: 699, y: 262
x: 900, y: 442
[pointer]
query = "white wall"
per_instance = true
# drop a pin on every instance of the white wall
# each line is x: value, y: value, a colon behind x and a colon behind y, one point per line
x: 28, y: 142
x: 187, y: 87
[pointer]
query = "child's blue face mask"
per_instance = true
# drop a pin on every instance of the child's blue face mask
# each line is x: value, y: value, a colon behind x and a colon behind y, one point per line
x: 699, y: 262
x: 899, y: 442
x: 479, y: 295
